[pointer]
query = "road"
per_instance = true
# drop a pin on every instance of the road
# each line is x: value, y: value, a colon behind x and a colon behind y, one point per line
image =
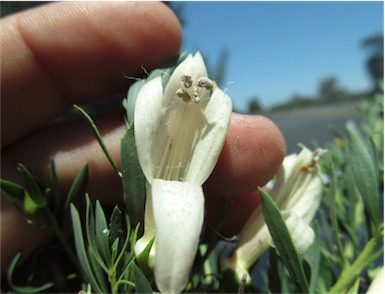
x: 313, y: 126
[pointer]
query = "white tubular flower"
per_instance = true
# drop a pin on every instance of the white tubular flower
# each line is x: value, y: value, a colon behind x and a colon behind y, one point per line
x: 179, y: 133
x: 297, y: 193
x: 377, y: 286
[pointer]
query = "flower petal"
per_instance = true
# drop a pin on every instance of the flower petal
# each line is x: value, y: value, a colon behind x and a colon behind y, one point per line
x: 299, y: 184
x: 212, y: 134
x: 178, y: 213
x: 377, y: 286
x: 178, y: 140
x: 149, y: 115
x: 193, y: 65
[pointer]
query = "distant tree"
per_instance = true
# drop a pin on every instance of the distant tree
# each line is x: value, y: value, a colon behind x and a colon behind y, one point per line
x: 254, y: 105
x: 10, y: 7
x: 375, y: 62
x: 328, y: 89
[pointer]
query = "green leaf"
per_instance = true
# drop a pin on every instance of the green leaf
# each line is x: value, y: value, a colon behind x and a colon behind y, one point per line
x: 78, y: 187
x: 313, y: 258
x: 123, y: 252
x: 32, y: 187
x: 12, y: 190
x: 81, y: 250
x: 29, y: 205
x: 98, y: 138
x: 273, y: 273
x: 283, y: 242
x: 94, y: 256
x: 53, y: 184
x: 24, y: 289
x: 76, y: 196
x: 365, y: 173
x: 115, y: 227
x: 333, y: 216
x: 141, y: 283
x: 134, y: 182
x: 102, y: 233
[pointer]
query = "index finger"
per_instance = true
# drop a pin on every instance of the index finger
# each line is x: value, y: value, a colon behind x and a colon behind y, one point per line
x: 67, y: 53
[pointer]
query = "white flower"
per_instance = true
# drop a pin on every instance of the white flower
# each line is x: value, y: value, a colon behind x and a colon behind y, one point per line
x: 297, y: 193
x: 179, y: 133
x: 377, y: 285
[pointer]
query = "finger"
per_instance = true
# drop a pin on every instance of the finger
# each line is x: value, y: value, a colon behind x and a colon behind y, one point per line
x: 17, y: 235
x: 66, y: 53
x: 239, y: 210
x: 253, y: 151
x: 73, y: 145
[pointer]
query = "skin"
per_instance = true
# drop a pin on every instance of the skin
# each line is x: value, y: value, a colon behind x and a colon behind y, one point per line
x: 66, y: 53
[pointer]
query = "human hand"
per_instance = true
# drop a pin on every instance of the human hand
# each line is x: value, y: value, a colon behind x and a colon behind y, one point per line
x: 66, y: 53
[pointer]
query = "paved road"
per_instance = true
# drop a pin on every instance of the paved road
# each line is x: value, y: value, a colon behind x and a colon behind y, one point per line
x: 313, y: 125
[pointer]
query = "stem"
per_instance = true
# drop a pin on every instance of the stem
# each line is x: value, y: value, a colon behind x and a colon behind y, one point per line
x: 112, y: 279
x: 363, y: 260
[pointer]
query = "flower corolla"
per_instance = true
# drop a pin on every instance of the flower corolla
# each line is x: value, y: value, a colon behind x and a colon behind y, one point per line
x: 179, y: 133
x: 297, y: 193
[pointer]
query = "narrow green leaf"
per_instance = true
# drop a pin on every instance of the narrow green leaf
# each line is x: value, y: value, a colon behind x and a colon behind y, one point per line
x: 369, y: 254
x: 78, y: 188
x: 355, y: 288
x: 76, y: 196
x: 123, y: 251
x: 115, y: 227
x: 273, y: 273
x: 94, y: 255
x: 115, y: 249
x: 313, y: 258
x: 134, y: 191
x: 53, y: 184
x: 98, y: 138
x: 102, y: 233
x: 32, y: 186
x: 81, y: 250
x: 29, y: 205
x: 141, y: 283
x: 24, y: 289
x: 12, y: 190
x: 333, y: 216
x: 365, y: 172
x: 283, y: 242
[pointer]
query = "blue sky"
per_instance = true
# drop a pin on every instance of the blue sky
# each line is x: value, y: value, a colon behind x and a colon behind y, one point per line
x: 277, y: 49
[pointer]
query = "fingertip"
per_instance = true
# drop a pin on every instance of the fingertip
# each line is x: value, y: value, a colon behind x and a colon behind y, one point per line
x: 253, y: 151
x: 240, y: 209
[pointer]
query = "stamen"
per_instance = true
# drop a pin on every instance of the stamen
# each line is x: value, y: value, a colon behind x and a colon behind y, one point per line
x: 196, y: 95
x: 183, y: 94
x: 186, y: 80
x: 205, y: 83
